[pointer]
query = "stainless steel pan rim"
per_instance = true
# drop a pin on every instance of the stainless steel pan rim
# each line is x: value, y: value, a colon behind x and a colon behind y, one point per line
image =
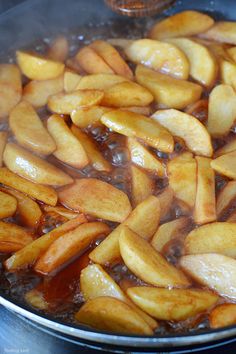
x: 85, y: 333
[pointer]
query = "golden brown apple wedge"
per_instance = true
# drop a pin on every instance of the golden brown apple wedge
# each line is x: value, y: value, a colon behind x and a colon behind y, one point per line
x: 143, y: 158
x: 223, y: 315
x: 216, y: 271
x: 228, y: 72
x: 31, y: 167
x: 146, y: 263
x: 83, y: 117
x: 94, y: 155
x: 217, y: 237
x: 65, y: 103
x: 161, y: 56
x: 225, y: 165
x: 222, y: 110
x: 29, y: 129
x: 168, y: 231
x: 68, y: 148
x: 186, y: 23
x: 29, y: 254
x: 228, y: 147
x: 205, y: 203
x: 59, y: 49
x: 168, y: 91
x: 40, y: 192
x: 223, y: 31
x: 225, y: 198
x: 166, y: 200
x: 36, y: 299
x: 99, y: 81
x: 143, y: 220
x: 127, y: 94
x: 10, y: 87
x: 142, y: 185
x: 145, y: 111
x: 182, y: 174
x: 68, y: 245
x: 107, y: 313
x: 91, y: 62
x: 70, y: 80
x: 112, y: 57
x: 120, y: 42
x: 37, y: 67
x: 38, y: 92
x: 3, y: 141
x: 135, y: 125
x: 13, y: 237
x: 8, y: 205
x: 172, y: 304
x: 203, y: 65
x: 68, y: 214
x: 97, y: 198
x: 188, y: 128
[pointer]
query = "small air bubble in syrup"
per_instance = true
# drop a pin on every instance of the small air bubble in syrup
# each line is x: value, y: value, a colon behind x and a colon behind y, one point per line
x: 120, y: 156
x: 161, y: 155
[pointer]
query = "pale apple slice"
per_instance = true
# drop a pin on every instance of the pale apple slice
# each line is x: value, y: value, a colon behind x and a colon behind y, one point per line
x: 70, y: 80
x: 59, y: 49
x: 29, y: 129
x: 228, y: 72
x: 37, y: 67
x: 94, y: 155
x: 143, y: 158
x: 182, y: 174
x: 161, y: 56
x: 127, y: 94
x: 31, y: 167
x: 29, y: 254
x: 143, y: 220
x: 168, y: 91
x: 185, y: 23
x: 188, y: 128
x: 225, y: 165
x: 36, y: 299
x: 38, y: 92
x: 205, y: 204
x: 225, y: 198
x: 100, y: 81
x: 223, y: 31
x: 203, y: 65
x: 91, y: 62
x: 146, y: 263
x: 222, y: 110
x: 223, y: 315
x: 97, y: 198
x: 216, y: 271
x: 70, y: 244
x: 168, y: 231
x: 3, y: 141
x: 142, y: 185
x: 10, y: 88
x: 166, y: 201
x: 228, y: 147
x: 8, y: 205
x: 65, y: 103
x: 112, y: 57
x: 217, y: 237
x: 68, y: 148
x: 13, y: 237
x: 110, y: 314
x: 172, y: 304
x: 135, y: 125
x: 83, y: 117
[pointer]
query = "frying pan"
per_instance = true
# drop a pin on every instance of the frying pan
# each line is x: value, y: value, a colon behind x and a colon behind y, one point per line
x: 37, y: 19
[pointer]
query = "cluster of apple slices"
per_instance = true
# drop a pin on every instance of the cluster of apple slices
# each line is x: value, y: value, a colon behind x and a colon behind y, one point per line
x: 169, y: 130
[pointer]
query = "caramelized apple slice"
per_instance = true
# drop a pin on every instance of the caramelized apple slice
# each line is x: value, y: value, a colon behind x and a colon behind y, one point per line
x: 31, y: 167
x: 91, y: 62
x: 228, y: 72
x: 232, y: 53
x: 10, y: 88
x: 135, y: 125
x: 83, y: 117
x: 37, y: 67
x: 142, y: 185
x: 166, y: 200
x: 8, y: 205
x: 36, y: 299
x: 95, y: 157
x: 69, y: 149
x: 13, y: 237
x: 223, y: 31
x: 100, y: 81
x: 29, y: 254
x: 59, y: 49
x: 146, y: 263
x: 68, y: 245
x: 168, y: 91
x: 143, y: 220
x: 145, y: 111
x: 217, y: 237
x: 225, y: 165
x: 188, y: 128
x: 182, y: 173
x: 228, y: 147
x: 110, y: 314
x: 225, y: 198
x: 29, y: 129
x: 68, y: 214
x: 71, y: 80
x: 223, y: 315
x: 186, y: 23
x: 172, y: 304
x: 3, y: 141
x: 97, y: 198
